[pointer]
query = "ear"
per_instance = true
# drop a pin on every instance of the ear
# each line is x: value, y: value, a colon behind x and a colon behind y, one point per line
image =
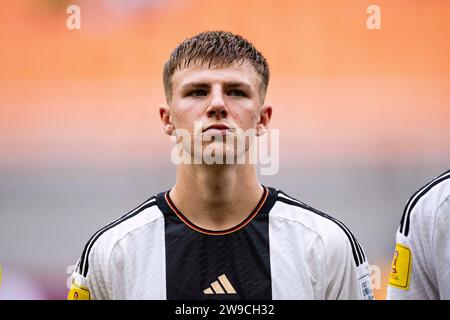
x: 264, y: 119
x: 164, y: 113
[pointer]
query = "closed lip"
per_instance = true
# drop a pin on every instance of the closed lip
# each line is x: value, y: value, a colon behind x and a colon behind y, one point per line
x: 217, y: 126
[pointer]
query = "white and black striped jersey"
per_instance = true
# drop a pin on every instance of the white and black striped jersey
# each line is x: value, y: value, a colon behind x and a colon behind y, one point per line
x: 421, y: 263
x: 284, y: 249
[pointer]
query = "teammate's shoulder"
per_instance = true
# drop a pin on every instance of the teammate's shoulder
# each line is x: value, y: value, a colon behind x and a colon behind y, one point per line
x: 332, y: 231
x: 103, y: 241
x: 424, y: 203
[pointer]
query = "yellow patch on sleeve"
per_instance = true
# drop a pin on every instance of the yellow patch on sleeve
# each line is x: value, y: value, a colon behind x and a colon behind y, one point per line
x: 78, y: 293
x: 401, y: 267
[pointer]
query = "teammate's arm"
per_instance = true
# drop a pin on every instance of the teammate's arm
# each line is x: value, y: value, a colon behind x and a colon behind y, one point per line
x: 441, y: 249
x: 413, y: 274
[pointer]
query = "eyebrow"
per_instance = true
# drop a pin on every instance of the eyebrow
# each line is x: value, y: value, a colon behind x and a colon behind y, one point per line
x: 238, y: 84
x: 232, y: 84
x: 191, y: 85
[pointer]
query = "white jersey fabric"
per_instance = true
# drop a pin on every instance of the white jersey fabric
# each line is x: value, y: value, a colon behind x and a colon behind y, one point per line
x: 283, y: 250
x: 421, y: 263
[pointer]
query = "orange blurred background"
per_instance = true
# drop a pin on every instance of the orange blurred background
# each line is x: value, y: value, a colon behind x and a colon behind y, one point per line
x: 363, y: 114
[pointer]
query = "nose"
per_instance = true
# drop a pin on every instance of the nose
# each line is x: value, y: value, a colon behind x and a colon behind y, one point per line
x: 217, y: 107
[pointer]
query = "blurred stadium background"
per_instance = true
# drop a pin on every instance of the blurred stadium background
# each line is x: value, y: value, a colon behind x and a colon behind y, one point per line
x: 364, y: 116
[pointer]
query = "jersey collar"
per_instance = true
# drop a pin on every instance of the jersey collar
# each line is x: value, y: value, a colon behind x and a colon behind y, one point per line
x: 264, y: 205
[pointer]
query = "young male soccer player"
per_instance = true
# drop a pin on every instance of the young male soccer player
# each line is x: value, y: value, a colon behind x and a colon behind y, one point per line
x: 218, y: 233
x: 421, y: 264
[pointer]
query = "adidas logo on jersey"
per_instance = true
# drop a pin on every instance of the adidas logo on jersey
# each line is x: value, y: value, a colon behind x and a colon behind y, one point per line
x: 222, y: 286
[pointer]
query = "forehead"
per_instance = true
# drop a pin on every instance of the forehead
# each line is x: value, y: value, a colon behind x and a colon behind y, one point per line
x: 235, y: 72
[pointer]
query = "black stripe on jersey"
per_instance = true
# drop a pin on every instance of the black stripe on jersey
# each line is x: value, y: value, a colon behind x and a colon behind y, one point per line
x: 83, y: 265
x: 195, y: 259
x: 406, y: 217
x: 357, y: 251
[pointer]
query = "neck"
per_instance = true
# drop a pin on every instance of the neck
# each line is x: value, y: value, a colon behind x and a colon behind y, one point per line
x: 216, y: 197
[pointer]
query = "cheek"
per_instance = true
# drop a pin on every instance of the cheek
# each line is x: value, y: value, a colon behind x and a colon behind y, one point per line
x: 184, y: 116
x: 247, y: 117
